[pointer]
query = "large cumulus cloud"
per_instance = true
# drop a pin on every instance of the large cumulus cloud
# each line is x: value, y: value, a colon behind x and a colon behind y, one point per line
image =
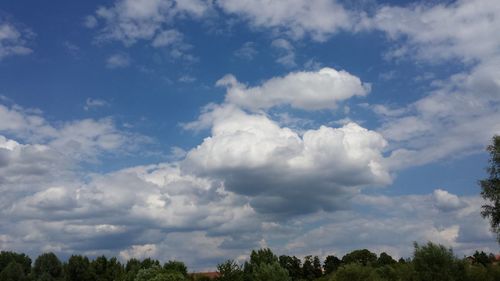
x: 284, y: 171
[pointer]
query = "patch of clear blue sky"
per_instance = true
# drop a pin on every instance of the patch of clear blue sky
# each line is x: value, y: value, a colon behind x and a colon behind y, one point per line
x: 148, y: 95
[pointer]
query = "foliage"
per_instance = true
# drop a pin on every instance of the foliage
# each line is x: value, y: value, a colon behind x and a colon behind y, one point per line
x: 293, y: 265
x: 47, y: 267
x: 78, y: 269
x: 229, y: 271
x: 363, y: 257
x: 490, y: 187
x: 434, y: 262
x: 176, y: 266
x: 355, y: 272
x: 13, y: 272
x: 331, y: 264
x: 269, y: 272
x: 21, y: 259
x: 385, y: 259
x: 430, y: 262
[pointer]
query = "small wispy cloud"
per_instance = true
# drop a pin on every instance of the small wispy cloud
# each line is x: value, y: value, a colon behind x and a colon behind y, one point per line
x: 247, y: 51
x: 91, y: 103
x: 118, y: 60
x: 287, y: 52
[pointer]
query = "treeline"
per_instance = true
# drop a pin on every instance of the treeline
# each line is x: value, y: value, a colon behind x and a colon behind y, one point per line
x: 430, y: 262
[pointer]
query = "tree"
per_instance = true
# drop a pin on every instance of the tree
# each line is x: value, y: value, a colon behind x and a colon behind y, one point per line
x: 292, y: 265
x: 363, y: 257
x: 490, y: 187
x: 318, y: 271
x: 156, y: 273
x: 78, y: 269
x: 385, y: 259
x: 47, y: 267
x: 21, y: 259
x: 269, y: 272
x: 257, y: 258
x: 308, y: 271
x: 482, y: 258
x: 229, y: 271
x: 434, y: 263
x: 13, y: 272
x: 355, y: 272
x: 331, y: 264
x: 176, y: 266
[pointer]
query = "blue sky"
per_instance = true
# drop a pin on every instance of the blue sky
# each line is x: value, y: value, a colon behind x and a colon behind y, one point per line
x: 198, y: 130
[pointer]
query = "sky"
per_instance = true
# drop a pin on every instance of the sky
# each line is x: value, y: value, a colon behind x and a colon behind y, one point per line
x: 198, y: 130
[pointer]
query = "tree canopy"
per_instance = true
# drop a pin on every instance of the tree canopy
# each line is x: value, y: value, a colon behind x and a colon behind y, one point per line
x: 490, y: 187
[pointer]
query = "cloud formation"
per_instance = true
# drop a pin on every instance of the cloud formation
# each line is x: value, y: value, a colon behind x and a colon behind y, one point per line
x: 14, y: 41
x: 317, y: 19
x: 279, y: 168
x: 309, y: 90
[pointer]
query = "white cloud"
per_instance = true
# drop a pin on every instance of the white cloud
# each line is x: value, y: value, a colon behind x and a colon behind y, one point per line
x: 459, y: 117
x: 276, y: 166
x: 247, y: 51
x: 91, y: 103
x: 446, y: 201
x: 441, y: 31
x: 287, y: 58
x: 130, y: 20
x: 83, y: 139
x: 166, y: 38
x: 118, y: 60
x: 13, y: 41
x: 313, y: 90
x: 315, y: 18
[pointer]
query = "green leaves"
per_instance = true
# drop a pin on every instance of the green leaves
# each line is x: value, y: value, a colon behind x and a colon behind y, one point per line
x: 490, y: 187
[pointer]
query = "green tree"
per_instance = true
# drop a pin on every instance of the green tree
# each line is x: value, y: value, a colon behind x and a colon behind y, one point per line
x: 308, y: 271
x: 78, y: 269
x: 114, y: 270
x: 318, y: 271
x: 385, y: 259
x: 331, y: 264
x: 478, y: 273
x: 482, y: 258
x: 23, y: 260
x: 257, y: 258
x: 47, y: 267
x: 292, y: 265
x: 13, y: 272
x: 269, y: 272
x: 156, y: 273
x: 490, y: 188
x: 434, y: 263
x: 355, y: 272
x: 99, y: 268
x: 363, y: 257
x: 229, y: 271
x: 176, y: 266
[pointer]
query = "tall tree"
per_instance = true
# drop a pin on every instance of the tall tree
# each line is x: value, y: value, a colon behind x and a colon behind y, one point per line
x: 292, y: 265
x: 229, y: 271
x: 13, y: 272
x: 363, y: 257
x: 308, y: 271
x: 435, y: 263
x: 318, y: 270
x: 176, y: 266
x: 78, y: 269
x: 21, y: 259
x: 331, y: 264
x: 490, y: 187
x: 47, y: 267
